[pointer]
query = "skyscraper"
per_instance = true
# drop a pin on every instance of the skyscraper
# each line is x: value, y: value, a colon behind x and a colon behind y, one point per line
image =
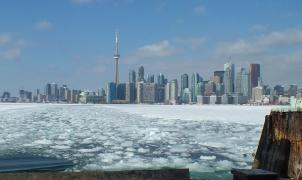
x: 141, y: 74
x: 254, y: 74
x: 242, y: 82
x: 132, y: 76
x: 116, y: 57
x: 195, y: 79
x: 229, y: 78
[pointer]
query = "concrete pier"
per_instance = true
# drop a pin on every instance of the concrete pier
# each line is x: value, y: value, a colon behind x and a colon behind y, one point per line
x: 163, y: 174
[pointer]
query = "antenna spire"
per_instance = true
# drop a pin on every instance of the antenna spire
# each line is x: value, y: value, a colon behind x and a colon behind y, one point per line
x: 116, y: 44
x: 116, y: 57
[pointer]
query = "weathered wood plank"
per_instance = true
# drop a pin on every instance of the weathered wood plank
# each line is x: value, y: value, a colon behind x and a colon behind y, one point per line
x: 280, y: 145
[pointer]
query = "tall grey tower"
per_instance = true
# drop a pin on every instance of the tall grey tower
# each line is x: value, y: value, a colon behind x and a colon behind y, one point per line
x: 116, y: 57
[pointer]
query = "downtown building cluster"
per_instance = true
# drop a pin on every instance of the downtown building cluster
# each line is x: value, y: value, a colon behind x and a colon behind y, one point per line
x: 224, y: 87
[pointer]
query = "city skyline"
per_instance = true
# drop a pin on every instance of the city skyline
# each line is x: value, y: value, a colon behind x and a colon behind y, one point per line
x: 74, y: 45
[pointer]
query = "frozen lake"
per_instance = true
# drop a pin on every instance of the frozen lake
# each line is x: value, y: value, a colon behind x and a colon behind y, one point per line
x: 210, y: 140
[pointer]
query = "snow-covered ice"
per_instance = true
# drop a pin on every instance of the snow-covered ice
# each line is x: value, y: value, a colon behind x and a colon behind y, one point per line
x: 202, y: 138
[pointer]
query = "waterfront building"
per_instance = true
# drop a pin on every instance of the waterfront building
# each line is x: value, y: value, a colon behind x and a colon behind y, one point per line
x: 132, y: 76
x: 111, y: 92
x: 242, y: 82
x: 229, y: 78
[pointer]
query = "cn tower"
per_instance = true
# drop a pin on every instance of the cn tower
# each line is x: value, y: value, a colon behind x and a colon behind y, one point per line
x: 116, y: 57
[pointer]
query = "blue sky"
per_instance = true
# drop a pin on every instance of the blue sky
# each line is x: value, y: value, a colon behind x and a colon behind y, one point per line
x: 71, y: 41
